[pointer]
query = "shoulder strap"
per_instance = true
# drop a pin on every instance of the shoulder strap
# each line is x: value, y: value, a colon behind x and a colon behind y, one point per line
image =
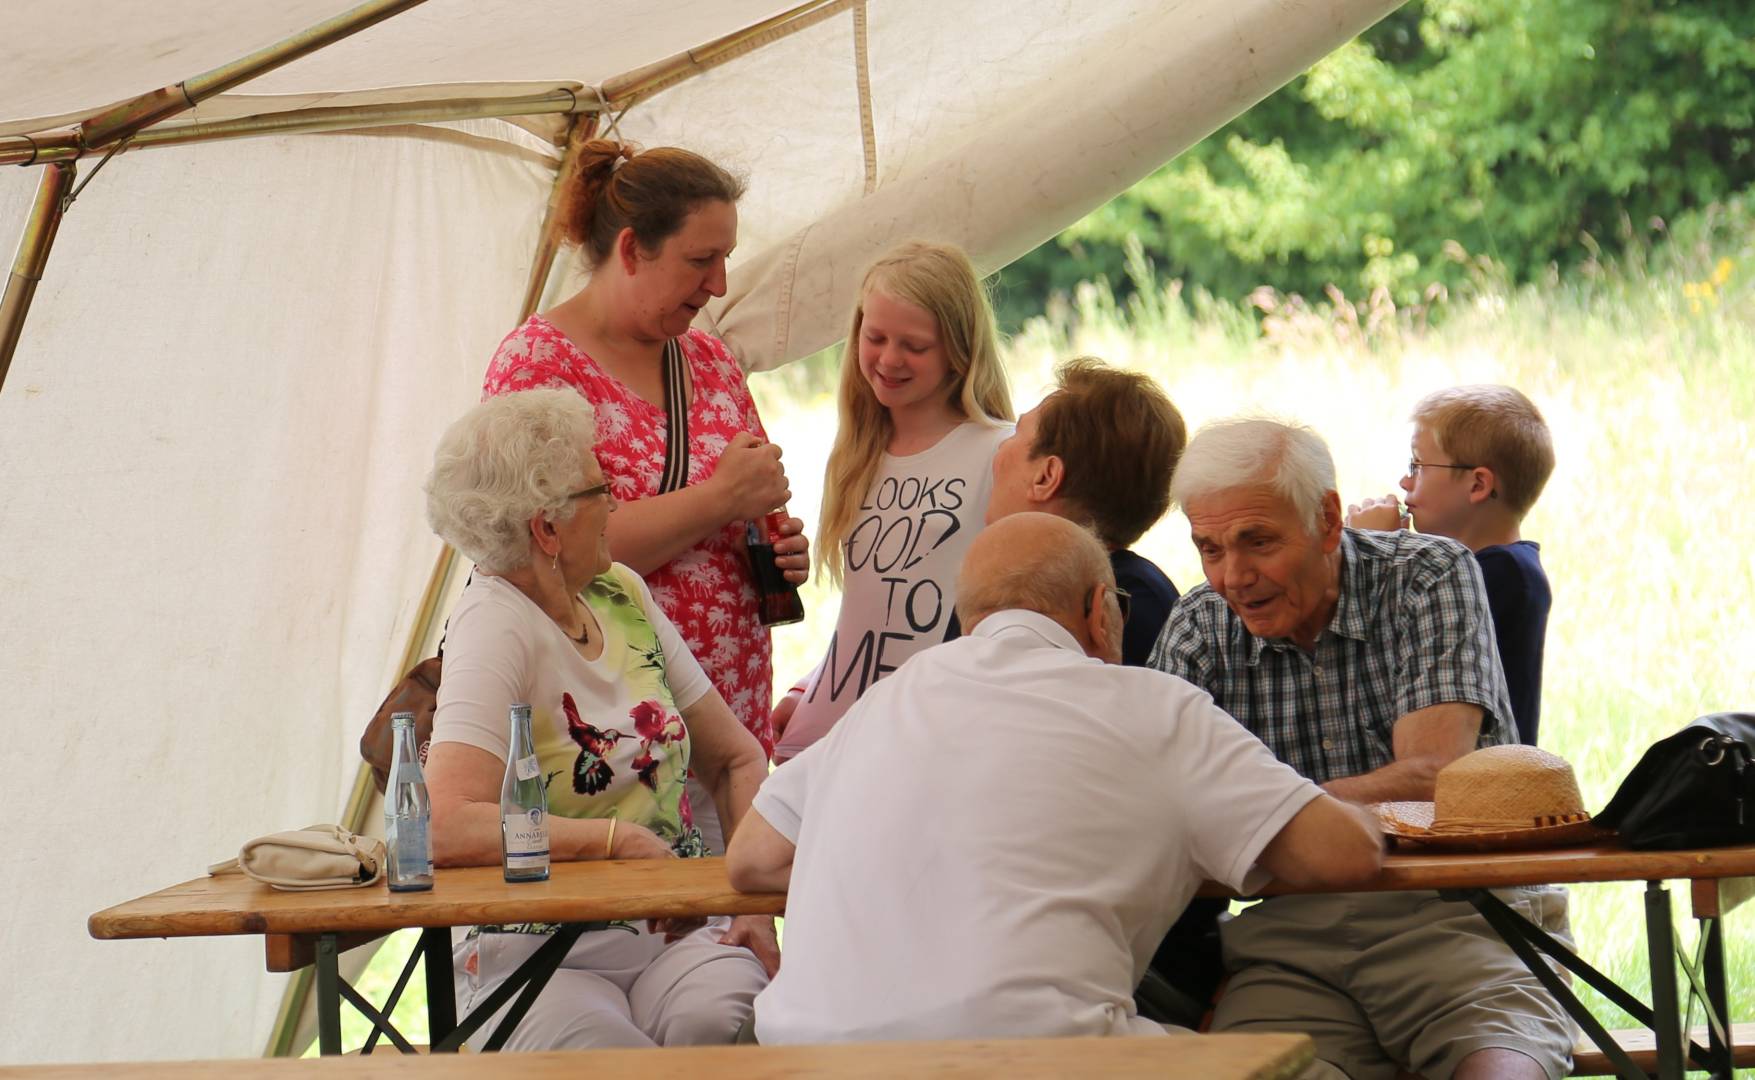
x: 445, y: 633
x: 676, y: 408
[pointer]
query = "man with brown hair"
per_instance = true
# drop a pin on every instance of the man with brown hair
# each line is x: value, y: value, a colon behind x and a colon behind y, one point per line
x: 1100, y: 450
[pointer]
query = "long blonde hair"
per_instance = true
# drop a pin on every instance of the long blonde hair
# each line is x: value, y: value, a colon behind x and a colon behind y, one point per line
x: 940, y: 279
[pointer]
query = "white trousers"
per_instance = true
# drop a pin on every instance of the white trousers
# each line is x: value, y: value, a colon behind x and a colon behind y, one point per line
x: 617, y: 988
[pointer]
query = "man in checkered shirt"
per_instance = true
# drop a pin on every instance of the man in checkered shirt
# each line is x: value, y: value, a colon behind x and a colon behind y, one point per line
x: 1366, y: 661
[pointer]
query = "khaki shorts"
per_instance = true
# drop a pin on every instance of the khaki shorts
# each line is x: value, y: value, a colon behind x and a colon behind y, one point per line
x: 1390, y: 981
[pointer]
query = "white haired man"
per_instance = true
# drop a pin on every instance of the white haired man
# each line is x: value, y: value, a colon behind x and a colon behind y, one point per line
x: 994, y: 838
x: 1366, y: 661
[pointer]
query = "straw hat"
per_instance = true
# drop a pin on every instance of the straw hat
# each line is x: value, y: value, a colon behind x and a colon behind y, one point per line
x: 1499, y: 798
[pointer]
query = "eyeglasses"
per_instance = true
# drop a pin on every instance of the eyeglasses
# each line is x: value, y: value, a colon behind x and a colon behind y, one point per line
x: 595, y: 489
x: 1123, y: 599
x: 1415, y: 465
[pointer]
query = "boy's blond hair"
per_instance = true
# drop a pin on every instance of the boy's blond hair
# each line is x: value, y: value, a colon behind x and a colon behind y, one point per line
x: 1496, y: 427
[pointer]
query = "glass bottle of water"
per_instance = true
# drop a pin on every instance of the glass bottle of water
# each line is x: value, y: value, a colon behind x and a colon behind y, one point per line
x: 408, y: 813
x: 523, y: 807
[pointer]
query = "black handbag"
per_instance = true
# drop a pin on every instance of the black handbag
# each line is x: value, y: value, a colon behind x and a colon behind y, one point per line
x: 1693, y: 789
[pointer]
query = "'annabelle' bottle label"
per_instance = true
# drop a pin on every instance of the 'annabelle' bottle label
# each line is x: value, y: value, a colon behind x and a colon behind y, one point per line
x: 526, y: 838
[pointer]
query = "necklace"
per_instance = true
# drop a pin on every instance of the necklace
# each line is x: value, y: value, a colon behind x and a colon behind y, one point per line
x: 584, y: 635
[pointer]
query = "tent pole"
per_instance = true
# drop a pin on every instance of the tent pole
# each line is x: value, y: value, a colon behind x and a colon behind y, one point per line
x: 548, y: 240
x: 33, y: 256
x: 59, y: 144
x: 359, y: 802
x: 123, y: 120
x: 64, y: 146
x: 624, y: 90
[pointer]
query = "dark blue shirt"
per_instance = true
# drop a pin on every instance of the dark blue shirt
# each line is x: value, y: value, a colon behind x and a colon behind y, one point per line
x: 1518, y: 596
x: 1153, y: 597
x: 1188, y: 957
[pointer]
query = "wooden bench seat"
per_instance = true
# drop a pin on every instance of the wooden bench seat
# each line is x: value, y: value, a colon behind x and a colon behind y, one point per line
x: 1196, y: 1057
x: 1641, y: 1046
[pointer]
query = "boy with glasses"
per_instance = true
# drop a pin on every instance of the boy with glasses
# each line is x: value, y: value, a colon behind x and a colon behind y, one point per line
x: 1481, y: 456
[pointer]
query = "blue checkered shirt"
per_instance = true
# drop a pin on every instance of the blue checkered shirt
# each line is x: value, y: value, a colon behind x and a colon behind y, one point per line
x: 1411, y: 629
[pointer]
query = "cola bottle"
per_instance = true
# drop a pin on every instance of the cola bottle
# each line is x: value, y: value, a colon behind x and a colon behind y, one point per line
x: 778, y: 598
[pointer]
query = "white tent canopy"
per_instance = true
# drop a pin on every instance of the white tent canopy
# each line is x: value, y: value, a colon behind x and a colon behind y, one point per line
x: 226, y: 392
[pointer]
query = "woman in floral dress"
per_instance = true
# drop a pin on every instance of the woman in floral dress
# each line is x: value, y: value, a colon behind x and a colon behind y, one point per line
x: 656, y: 228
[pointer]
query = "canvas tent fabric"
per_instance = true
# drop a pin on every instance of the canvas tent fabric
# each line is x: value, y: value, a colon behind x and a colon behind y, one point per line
x: 226, y: 394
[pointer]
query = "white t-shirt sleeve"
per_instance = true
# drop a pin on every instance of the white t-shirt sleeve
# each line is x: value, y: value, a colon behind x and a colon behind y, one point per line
x: 688, y: 681
x: 780, y: 799
x: 487, y: 655
x: 1240, y: 798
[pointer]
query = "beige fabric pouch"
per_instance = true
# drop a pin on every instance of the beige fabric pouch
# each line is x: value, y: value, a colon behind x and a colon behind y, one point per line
x: 315, y: 857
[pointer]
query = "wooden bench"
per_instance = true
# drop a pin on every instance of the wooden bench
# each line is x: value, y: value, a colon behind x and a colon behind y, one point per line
x: 1641, y: 1046
x: 1207, y: 1057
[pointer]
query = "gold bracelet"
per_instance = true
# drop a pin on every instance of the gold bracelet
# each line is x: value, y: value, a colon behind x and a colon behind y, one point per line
x: 609, y: 842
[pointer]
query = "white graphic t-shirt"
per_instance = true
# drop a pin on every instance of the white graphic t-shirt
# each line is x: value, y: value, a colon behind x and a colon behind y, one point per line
x: 902, y: 557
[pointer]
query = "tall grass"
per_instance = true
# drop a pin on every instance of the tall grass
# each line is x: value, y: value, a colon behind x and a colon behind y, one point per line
x: 1645, y: 369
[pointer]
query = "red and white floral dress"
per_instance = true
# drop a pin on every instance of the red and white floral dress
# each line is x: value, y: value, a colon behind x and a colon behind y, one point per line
x: 707, y: 591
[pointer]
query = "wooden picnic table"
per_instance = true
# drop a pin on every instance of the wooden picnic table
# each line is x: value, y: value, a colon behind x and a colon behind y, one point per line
x: 300, y: 928
x: 655, y: 888
x: 1207, y: 1057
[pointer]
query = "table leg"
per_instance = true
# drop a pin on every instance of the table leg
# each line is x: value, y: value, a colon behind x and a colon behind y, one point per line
x: 1660, y: 940
x: 441, y: 988
x: 1524, y: 938
x: 1712, y: 972
x: 526, y: 982
x: 376, y: 1015
x: 328, y: 995
x: 380, y: 1020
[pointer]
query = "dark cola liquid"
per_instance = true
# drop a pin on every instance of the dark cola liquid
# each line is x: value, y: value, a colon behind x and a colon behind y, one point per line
x: 777, y: 598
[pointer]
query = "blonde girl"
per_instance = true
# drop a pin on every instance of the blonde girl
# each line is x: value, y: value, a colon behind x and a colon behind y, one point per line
x: 923, y: 404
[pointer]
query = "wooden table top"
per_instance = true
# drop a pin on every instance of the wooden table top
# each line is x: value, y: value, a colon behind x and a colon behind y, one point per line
x: 652, y: 888
x: 464, y: 896
x: 1209, y: 1057
x: 1405, y: 871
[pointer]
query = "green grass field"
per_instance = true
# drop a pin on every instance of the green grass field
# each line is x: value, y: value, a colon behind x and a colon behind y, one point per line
x: 1646, y: 373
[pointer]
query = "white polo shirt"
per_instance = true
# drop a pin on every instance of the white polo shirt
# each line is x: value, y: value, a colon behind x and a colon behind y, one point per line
x: 994, y: 839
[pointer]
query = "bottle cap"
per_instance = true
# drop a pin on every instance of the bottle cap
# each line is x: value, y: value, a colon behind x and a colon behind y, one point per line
x: 401, y: 719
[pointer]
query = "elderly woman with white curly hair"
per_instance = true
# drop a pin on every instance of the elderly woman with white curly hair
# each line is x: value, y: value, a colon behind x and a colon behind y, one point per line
x: 620, y: 713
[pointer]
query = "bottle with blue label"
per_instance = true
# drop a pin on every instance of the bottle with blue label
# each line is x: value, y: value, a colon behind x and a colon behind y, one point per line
x: 523, y: 806
x: 408, y: 813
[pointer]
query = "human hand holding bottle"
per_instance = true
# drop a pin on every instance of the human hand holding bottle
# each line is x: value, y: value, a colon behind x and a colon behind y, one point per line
x: 749, y: 478
x: 792, y: 551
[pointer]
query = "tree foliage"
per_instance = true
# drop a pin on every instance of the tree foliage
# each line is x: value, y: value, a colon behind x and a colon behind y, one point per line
x: 1496, y: 127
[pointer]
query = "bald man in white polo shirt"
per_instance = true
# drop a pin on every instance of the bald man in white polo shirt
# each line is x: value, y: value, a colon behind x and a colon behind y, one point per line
x: 979, y: 848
